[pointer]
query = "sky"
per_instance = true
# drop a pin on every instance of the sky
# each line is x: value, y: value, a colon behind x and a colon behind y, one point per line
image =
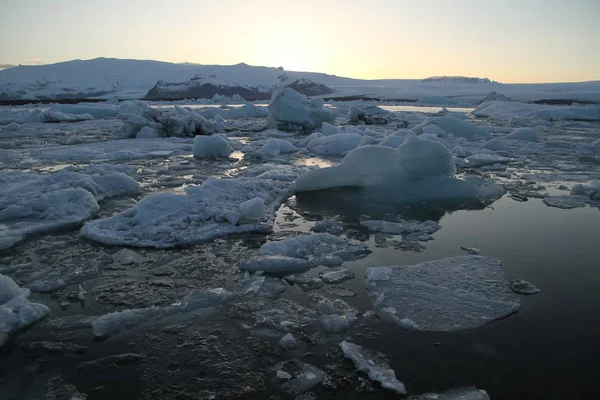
x: 504, y: 40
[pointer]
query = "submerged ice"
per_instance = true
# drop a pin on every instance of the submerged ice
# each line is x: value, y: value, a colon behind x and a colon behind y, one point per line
x: 301, y: 253
x: 451, y: 294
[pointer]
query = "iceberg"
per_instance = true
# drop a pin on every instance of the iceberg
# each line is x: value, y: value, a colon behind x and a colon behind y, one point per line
x: 292, y: 111
x: 419, y: 170
x: 211, y: 147
x: 445, y: 295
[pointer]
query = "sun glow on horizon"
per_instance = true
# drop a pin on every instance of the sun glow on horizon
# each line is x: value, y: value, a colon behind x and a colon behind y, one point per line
x: 508, y: 41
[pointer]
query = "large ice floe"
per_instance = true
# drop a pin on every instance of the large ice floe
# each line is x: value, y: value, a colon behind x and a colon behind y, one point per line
x: 205, y: 212
x: 292, y: 111
x: 32, y: 203
x: 419, y: 170
x: 16, y: 312
x: 451, y: 294
x: 507, y: 110
x: 376, y: 369
x: 301, y: 253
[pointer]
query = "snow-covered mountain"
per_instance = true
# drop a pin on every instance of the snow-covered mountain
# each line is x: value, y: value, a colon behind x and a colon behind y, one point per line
x: 108, y: 77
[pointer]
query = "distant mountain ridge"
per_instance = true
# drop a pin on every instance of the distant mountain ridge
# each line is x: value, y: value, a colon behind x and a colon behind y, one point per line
x: 104, y: 78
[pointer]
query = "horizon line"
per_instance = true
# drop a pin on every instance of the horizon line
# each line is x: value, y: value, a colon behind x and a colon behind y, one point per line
x: 8, y: 66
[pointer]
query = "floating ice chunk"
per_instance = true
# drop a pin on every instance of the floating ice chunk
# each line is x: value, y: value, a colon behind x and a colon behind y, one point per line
x: 148, y: 132
x: 451, y: 294
x: 480, y: 159
x: 434, y: 138
x: 458, y: 151
x: 377, y: 370
x: 434, y: 130
x: 565, y: 202
x: 356, y: 114
x: 279, y: 146
x: 253, y: 208
x: 521, y: 286
x: 115, y: 322
x: 282, y: 375
x: 454, y: 126
x: 76, y: 140
x: 60, y: 209
x: 264, y: 286
x: 305, y: 281
x: 328, y: 129
x: 167, y: 220
x: 470, y: 250
x: 397, y: 228
x: 281, y: 315
x: 331, y: 225
x: 211, y: 147
x: 416, y: 159
x: 13, y: 126
x: 419, y: 170
x: 454, y: 394
x: 44, y: 203
x: 290, y: 110
x: 301, y: 253
x: 337, y: 275
x: 336, y: 316
x: 336, y: 144
x: 394, y: 141
x: 54, y: 116
x: 316, y: 248
x: 525, y: 134
x: 275, y: 172
x: 276, y: 264
x: 494, y: 145
x: 367, y: 140
x: 591, y: 190
x: 94, y: 110
x: 16, y: 312
x: 294, y: 377
x: 288, y: 342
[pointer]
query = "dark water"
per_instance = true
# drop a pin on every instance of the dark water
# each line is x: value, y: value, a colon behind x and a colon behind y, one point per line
x: 550, y: 349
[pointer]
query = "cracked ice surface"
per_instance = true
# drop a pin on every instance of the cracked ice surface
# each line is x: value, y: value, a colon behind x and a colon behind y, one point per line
x: 31, y: 203
x: 444, y: 295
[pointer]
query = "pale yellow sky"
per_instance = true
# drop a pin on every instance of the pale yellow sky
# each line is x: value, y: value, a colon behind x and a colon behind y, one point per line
x: 504, y: 40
